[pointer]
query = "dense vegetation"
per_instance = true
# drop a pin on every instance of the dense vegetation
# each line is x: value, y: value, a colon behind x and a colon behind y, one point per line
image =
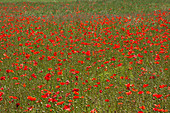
x: 84, y: 56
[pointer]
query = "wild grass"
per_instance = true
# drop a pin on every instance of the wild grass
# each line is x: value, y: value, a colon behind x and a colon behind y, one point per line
x: 84, y: 56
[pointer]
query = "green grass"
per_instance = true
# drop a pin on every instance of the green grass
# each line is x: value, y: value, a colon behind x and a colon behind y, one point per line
x: 5, y: 1
x: 126, y: 54
x: 36, y: 0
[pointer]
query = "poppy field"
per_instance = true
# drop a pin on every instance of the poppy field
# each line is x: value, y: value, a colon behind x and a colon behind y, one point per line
x: 102, y: 56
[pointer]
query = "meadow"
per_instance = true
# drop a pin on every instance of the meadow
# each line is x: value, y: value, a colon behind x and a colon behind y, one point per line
x: 102, y: 56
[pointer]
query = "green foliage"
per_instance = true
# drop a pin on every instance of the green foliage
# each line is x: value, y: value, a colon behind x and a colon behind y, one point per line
x: 113, y: 53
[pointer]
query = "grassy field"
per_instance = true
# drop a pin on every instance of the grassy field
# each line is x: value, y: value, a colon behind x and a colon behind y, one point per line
x: 103, y: 56
x: 49, y: 0
x: 37, y: 1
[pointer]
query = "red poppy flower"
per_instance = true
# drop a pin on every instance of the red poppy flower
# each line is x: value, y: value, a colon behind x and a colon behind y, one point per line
x: 75, y: 89
x: 75, y: 97
x: 157, y: 95
x: 142, y: 107
x: 60, y: 103
x: 140, y: 92
x: 48, y: 105
x: 107, y: 100
x: 145, y: 85
x: 17, y: 104
x: 128, y: 93
x: 31, y: 98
